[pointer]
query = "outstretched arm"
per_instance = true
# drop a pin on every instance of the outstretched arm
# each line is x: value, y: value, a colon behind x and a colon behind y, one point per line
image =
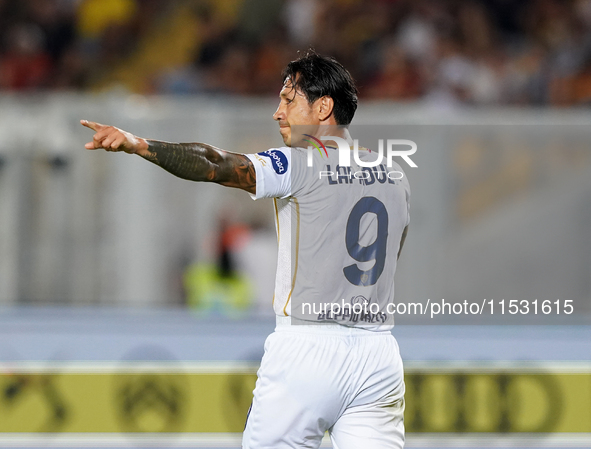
x: 192, y: 161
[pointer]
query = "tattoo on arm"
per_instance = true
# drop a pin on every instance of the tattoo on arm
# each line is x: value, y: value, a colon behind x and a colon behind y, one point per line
x: 202, y: 162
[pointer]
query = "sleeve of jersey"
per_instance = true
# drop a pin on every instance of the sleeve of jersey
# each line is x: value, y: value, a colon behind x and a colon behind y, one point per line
x: 273, y: 173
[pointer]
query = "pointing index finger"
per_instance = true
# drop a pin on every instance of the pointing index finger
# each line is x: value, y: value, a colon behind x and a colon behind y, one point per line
x: 92, y: 125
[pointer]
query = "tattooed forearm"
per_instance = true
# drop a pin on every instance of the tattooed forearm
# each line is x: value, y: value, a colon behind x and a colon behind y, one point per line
x: 185, y: 160
x: 202, y: 162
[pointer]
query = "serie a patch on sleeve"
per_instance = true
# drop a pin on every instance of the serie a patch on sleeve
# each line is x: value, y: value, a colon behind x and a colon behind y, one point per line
x: 278, y: 159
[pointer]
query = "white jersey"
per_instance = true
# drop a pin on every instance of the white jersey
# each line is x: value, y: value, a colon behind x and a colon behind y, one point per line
x: 339, y: 231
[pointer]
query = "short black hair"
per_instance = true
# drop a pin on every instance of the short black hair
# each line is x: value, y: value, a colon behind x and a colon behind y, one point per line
x: 317, y: 76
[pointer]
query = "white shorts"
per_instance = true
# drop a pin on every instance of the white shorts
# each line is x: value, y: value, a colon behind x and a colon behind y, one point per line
x: 327, y: 377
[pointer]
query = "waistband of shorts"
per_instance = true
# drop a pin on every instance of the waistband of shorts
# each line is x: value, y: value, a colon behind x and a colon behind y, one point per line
x: 292, y: 324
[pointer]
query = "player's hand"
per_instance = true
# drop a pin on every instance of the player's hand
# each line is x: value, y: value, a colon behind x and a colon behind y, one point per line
x: 113, y: 139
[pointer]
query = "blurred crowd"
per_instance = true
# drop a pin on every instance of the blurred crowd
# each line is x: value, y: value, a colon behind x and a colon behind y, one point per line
x: 515, y: 52
x: 69, y: 44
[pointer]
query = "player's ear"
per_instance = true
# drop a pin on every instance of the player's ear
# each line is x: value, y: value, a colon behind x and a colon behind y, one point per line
x: 325, y: 106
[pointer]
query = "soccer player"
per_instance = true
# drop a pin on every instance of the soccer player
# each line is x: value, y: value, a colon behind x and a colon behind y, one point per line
x: 340, y: 231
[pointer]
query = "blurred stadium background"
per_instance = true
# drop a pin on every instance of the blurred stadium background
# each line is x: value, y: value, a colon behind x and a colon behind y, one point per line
x: 134, y: 306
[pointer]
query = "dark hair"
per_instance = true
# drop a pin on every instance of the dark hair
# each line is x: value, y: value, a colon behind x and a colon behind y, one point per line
x: 317, y: 76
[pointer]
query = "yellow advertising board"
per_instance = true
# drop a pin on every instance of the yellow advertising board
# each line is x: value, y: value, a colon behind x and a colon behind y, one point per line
x: 115, y: 401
